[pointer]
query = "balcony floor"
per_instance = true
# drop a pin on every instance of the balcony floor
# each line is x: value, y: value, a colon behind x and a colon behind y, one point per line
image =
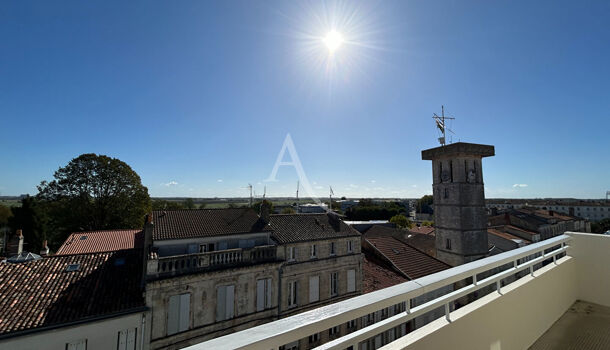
x: 583, y: 326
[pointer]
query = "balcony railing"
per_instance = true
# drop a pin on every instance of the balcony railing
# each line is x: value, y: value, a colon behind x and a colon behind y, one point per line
x: 187, y: 263
x: 523, y: 273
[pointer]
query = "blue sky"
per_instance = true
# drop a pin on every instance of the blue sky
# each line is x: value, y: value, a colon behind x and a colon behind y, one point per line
x: 198, y: 96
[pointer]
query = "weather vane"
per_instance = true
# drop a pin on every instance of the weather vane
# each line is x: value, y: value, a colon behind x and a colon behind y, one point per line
x: 442, y: 126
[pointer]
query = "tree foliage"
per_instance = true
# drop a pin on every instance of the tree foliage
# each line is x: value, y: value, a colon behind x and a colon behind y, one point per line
x: 401, y: 221
x: 257, y: 206
x: 5, y: 214
x: 288, y: 210
x: 424, y: 205
x: 369, y: 210
x: 32, y: 217
x: 95, y: 192
x: 600, y: 226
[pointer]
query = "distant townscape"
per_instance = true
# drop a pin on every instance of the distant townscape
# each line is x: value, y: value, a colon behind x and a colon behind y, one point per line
x: 91, y: 262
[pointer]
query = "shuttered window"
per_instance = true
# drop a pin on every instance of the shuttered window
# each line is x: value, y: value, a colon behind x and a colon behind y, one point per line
x: 334, y: 284
x: 179, y: 313
x: 292, y: 293
x: 263, y: 294
x: 225, y: 301
x: 127, y: 339
x: 77, y: 345
x: 314, y: 289
x: 351, y: 281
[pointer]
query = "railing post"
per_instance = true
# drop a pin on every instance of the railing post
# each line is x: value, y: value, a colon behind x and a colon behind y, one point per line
x: 499, y: 287
x: 408, y: 306
x: 447, y: 312
x: 474, y: 279
x: 532, y: 270
x: 555, y: 259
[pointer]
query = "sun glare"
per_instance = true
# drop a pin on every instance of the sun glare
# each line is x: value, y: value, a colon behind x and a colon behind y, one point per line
x: 333, y: 40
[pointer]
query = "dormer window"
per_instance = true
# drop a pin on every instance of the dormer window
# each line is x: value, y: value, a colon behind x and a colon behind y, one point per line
x: 313, y: 251
x: 333, y: 249
x: 350, y: 246
x: 292, y: 253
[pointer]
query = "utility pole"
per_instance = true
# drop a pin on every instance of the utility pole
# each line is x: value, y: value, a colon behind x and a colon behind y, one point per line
x: 250, y: 188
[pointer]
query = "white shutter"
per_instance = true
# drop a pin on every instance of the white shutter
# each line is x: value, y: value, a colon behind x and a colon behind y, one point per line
x: 123, y: 340
x: 185, y: 311
x: 173, y: 313
x: 314, y: 289
x: 351, y: 280
x: 260, y: 295
x: 220, y: 303
x: 268, y: 293
x: 131, y: 339
x: 230, y: 301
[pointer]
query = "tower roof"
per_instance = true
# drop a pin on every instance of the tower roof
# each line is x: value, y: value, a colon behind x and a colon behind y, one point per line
x: 458, y: 149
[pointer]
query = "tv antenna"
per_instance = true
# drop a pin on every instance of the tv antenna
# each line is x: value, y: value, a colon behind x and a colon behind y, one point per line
x: 442, y: 125
x: 250, y: 188
x: 298, y: 196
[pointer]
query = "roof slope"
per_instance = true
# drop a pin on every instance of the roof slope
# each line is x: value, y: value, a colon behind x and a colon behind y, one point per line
x: 192, y: 223
x: 42, y: 293
x: 378, y: 274
x: 290, y: 228
x: 101, y: 241
x: 412, y: 262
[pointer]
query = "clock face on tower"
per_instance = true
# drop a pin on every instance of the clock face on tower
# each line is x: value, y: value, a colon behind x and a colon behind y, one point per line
x: 445, y: 176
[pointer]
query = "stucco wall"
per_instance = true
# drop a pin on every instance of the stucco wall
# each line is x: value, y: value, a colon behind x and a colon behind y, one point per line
x: 591, y: 253
x: 514, y: 320
x: 100, y: 335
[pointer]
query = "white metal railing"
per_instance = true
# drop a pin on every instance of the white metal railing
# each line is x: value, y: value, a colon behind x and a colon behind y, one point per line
x: 290, y: 329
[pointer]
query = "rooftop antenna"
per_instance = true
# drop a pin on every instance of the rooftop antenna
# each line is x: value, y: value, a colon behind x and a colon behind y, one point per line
x: 298, y: 196
x: 330, y: 196
x: 607, y: 194
x: 442, y: 126
x: 250, y: 188
x: 264, y: 192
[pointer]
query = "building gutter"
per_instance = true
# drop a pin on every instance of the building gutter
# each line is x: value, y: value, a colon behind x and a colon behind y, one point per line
x: 73, y: 323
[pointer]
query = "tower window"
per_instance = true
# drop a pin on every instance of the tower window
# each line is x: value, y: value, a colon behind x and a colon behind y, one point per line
x: 448, y: 244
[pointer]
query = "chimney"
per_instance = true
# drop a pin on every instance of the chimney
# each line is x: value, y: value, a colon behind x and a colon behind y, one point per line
x: 264, y: 211
x: 45, y: 248
x: 20, y: 237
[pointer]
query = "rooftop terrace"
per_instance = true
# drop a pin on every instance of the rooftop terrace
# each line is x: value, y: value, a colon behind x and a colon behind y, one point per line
x: 531, y: 289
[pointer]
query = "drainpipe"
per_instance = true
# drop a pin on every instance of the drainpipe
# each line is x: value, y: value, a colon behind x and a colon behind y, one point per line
x: 142, y: 332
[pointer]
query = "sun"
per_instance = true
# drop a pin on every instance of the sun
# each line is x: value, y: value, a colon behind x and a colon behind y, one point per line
x: 333, y: 41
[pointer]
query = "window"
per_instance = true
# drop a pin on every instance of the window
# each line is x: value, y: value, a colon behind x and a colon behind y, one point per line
x: 350, y: 246
x: 333, y: 284
x: 351, y: 281
x: 333, y: 250
x: 314, y: 289
x: 127, y: 339
x: 351, y: 324
x: 313, y: 251
x: 225, y: 302
x: 77, y: 345
x: 448, y: 244
x: 292, y: 294
x: 263, y: 294
x: 292, y: 253
x: 314, y: 338
x: 208, y: 247
x: 178, y: 314
x: 73, y: 267
x: 333, y: 331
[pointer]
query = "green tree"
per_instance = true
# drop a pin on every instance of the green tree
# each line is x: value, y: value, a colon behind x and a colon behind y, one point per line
x: 424, y: 205
x: 162, y: 204
x: 401, y: 221
x: 257, y: 206
x: 95, y: 192
x: 5, y: 214
x: 428, y: 223
x: 32, y: 217
x: 600, y: 226
x: 189, y: 203
x: 202, y: 205
x: 288, y: 210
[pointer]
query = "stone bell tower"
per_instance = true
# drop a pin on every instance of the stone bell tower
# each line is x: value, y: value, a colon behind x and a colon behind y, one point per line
x: 460, y: 219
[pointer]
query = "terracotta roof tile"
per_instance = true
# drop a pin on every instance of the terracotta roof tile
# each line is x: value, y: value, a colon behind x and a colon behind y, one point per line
x: 410, y: 261
x: 377, y: 274
x: 288, y: 228
x: 178, y: 224
x: 101, y: 241
x: 424, y: 230
x: 42, y: 293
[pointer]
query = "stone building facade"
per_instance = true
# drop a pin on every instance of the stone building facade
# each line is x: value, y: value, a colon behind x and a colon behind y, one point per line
x: 213, y: 272
x: 460, y: 217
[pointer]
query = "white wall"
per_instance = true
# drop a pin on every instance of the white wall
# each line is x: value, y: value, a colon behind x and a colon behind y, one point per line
x: 592, y: 255
x: 100, y: 335
x: 514, y: 320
